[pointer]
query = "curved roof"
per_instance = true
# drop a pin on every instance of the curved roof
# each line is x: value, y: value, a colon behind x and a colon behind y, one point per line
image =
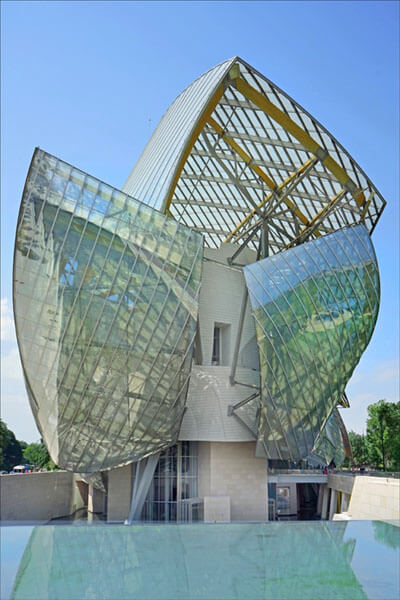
x: 237, y: 159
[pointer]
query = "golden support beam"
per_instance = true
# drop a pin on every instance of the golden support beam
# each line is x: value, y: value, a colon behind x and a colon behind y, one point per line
x: 215, y: 98
x: 318, y: 217
x: 302, y: 136
x: 286, y: 200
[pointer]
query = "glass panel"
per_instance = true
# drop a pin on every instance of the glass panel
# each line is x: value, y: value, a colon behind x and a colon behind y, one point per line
x: 106, y: 312
x: 315, y: 307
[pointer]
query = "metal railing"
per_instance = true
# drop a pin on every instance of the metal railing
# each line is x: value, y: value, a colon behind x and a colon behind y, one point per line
x: 350, y: 472
x: 275, y: 471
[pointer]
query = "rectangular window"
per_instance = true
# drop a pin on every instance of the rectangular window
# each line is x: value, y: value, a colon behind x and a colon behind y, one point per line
x: 216, y: 353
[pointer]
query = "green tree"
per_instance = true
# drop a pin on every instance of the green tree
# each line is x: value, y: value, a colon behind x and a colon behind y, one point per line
x: 10, y: 449
x: 359, y: 448
x: 383, y: 435
x: 38, y: 455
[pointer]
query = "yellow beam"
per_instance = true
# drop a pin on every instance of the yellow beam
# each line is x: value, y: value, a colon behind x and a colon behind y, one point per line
x: 215, y: 98
x: 302, y: 136
x: 286, y: 200
x: 318, y: 217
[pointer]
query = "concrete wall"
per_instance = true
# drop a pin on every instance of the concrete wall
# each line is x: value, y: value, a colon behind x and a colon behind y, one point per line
x: 341, y: 483
x: 220, y: 301
x: 231, y: 469
x: 363, y: 497
x: 375, y: 498
x: 119, y: 493
x: 38, y: 496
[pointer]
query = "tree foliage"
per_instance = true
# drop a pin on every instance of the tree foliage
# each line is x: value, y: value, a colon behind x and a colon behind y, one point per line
x: 359, y: 448
x: 383, y: 435
x: 10, y: 449
x: 14, y: 452
x: 37, y: 454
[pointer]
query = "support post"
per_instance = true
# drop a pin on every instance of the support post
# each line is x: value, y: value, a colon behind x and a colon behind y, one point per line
x: 319, y: 501
x: 324, y: 509
x: 333, y: 504
x: 179, y: 482
x: 238, y: 337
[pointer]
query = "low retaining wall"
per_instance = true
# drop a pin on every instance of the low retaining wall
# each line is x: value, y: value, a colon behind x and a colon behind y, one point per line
x: 367, y: 497
x: 38, y: 496
x: 375, y: 498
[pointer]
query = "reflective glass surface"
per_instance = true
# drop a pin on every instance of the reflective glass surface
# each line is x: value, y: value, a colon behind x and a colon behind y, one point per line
x: 278, y: 561
x: 332, y: 443
x: 315, y: 307
x: 106, y: 301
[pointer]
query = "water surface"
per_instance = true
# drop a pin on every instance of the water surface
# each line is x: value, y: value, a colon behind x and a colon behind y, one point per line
x: 278, y: 561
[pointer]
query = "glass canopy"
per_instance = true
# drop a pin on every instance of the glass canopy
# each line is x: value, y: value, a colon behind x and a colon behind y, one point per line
x: 237, y: 159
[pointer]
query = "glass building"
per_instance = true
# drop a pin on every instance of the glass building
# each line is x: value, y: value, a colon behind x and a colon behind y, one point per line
x: 205, y: 319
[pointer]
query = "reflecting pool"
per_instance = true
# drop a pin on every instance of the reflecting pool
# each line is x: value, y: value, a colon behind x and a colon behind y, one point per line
x: 291, y: 560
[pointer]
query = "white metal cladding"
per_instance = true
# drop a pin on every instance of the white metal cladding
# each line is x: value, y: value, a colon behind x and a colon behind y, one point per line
x: 106, y: 302
x: 151, y: 176
x: 241, y: 148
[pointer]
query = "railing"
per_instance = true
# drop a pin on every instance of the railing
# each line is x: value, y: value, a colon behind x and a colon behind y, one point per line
x: 388, y: 474
x: 191, y: 510
x: 274, y: 471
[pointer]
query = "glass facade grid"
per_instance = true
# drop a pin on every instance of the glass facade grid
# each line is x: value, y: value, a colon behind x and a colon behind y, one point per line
x: 201, y: 143
x: 174, y: 482
x: 106, y: 288
x: 315, y: 307
x: 333, y: 444
x: 106, y: 311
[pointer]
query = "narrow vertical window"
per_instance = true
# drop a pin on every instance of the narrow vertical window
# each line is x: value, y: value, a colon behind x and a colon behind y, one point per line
x: 216, y: 353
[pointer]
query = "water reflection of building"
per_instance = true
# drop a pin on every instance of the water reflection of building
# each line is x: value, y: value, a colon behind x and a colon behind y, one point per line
x: 211, y: 312
x: 218, y: 561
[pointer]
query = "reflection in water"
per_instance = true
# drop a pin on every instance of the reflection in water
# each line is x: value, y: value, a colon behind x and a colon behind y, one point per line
x: 265, y: 560
x: 295, y: 560
x: 387, y: 534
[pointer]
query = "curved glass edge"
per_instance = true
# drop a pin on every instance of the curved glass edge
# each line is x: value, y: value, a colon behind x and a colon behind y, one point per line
x: 106, y: 302
x: 333, y: 444
x: 315, y: 307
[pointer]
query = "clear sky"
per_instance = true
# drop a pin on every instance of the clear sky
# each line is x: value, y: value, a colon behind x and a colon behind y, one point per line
x: 89, y: 81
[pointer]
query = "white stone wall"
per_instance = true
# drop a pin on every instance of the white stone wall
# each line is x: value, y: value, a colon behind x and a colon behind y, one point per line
x: 231, y: 469
x: 38, y: 496
x: 210, y: 391
x: 221, y: 296
x: 119, y: 493
x: 375, y: 498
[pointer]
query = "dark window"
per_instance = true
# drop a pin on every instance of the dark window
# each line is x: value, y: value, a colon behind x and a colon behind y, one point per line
x: 216, y: 353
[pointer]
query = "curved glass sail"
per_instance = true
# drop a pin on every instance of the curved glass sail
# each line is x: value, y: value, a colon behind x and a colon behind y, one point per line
x: 315, y: 307
x: 333, y: 443
x: 106, y: 301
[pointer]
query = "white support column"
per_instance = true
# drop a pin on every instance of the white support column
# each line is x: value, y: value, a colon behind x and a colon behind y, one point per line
x: 345, y: 502
x: 324, y: 509
x: 90, y: 506
x: 320, y: 496
x: 333, y: 504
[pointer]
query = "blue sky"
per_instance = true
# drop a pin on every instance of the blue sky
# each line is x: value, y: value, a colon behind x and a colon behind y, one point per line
x: 89, y: 81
